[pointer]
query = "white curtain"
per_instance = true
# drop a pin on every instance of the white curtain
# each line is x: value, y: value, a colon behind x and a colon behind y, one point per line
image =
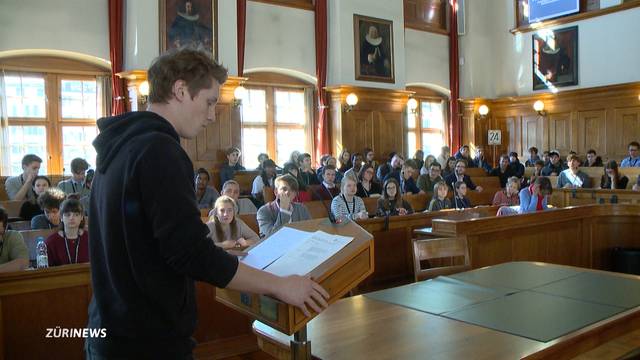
x: 104, y: 96
x: 309, y: 113
x: 5, y: 161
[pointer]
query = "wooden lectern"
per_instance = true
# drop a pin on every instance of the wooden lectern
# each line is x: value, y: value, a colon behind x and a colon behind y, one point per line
x: 338, y: 275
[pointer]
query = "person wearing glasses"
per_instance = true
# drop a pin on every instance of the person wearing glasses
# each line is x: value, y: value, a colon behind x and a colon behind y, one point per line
x: 634, y: 158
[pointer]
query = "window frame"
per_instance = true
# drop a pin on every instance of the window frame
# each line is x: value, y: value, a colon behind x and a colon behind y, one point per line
x: 53, y: 120
x: 418, y: 130
x: 271, y: 125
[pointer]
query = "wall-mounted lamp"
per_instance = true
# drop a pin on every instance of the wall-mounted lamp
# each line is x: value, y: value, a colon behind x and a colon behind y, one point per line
x: 538, y: 106
x: 239, y: 94
x: 352, y: 100
x: 483, y: 110
x: 143, y: 90
x: 412, y: 105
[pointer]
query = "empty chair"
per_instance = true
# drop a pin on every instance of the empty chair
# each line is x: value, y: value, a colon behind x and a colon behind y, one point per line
x: 439, y: 248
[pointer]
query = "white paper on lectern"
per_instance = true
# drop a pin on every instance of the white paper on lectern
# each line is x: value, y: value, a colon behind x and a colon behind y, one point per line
x: 309, y: 254
x: 274, y: 247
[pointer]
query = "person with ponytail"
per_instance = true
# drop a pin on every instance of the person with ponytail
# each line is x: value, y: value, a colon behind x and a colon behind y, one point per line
x: 226, y: 229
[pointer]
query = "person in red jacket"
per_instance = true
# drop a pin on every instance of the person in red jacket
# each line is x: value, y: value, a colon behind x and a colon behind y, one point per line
x: 70, y: 245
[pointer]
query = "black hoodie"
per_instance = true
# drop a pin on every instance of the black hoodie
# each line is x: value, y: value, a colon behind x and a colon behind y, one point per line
x: 147, y: 242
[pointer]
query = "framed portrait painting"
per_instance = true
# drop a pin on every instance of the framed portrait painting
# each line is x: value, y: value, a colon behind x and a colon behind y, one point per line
x: 189, y: 23
x: 373, y: 49
x: 555, y: 58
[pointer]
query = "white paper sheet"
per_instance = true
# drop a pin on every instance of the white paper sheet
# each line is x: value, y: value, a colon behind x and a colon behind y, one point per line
x: 274, y: 247
x: 309, y: 254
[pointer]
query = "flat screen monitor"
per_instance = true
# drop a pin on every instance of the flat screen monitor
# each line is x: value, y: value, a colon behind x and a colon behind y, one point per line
x: 540, y: 10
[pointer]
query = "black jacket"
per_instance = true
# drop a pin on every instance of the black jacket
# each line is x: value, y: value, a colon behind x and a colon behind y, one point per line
x: 147, y: 243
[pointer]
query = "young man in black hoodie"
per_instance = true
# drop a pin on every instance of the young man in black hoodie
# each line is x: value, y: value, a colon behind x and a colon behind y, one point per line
x: 148, y: 244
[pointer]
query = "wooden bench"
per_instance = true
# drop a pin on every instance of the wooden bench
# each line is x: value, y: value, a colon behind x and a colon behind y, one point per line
x: 13, y: 207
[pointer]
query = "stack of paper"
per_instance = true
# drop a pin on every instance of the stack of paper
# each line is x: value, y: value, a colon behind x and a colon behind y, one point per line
x: 294, y: 252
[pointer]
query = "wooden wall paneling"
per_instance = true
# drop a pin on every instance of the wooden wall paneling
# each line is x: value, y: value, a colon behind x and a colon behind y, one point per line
x: 532, y: 134
x: 592, y: 131
x: 389, y: 132
x: 560, y: 132
x: 627, y: 120
x: 360, y: 127
x: 625, y: 228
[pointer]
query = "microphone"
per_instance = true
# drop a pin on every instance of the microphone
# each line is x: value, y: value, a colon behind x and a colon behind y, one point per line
x: 455, y: 197
x: 330, y: 215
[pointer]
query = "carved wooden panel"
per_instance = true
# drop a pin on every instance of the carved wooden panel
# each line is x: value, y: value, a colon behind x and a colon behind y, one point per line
x: 592, y: 131
x: 428, y: 15
x: 628, y: 122
x: 388, y: 132
x: 559, y: 132
x: 531, y: 133
x: 359, y: 127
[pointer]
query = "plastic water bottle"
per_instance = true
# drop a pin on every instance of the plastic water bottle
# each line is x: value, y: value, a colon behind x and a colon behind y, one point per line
x: 42, y: 257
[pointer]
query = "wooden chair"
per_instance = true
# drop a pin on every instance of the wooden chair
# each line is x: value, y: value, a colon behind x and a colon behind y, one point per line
x: 267, y: 194
x: 12, y: 207
x: 251, y: 220
x: 20, y: 225
x: 30, y: 239
x: 439, y: 248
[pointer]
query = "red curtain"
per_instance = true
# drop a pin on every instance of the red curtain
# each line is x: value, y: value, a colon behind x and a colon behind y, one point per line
x: 242, y: 26
x: 116, y: 54
x: 454, y: 79
x: 321, y: 129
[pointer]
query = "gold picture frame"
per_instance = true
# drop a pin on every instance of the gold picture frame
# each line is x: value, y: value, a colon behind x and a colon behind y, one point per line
x: 189, y: 23
x: 373, y: 49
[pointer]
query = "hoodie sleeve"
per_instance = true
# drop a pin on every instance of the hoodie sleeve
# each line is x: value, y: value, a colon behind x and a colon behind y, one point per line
x: 168, y: 197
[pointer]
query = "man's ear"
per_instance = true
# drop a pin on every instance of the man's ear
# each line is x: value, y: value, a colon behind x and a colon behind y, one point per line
x: 180, y: 90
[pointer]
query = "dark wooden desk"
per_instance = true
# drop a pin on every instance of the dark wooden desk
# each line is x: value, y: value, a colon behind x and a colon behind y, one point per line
x: 363, y: 328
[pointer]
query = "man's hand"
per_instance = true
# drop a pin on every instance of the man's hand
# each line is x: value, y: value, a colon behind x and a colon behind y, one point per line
x: 302, y: 292
x: 402, y: 211
x: 285, y: 202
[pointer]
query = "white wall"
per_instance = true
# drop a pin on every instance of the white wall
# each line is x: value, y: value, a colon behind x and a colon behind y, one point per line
x: 141, y: 39
x: 341, y: 40
x: 608, y: 51
x: 280, y: 37
x: 71, y: 25
x: 427, y: 58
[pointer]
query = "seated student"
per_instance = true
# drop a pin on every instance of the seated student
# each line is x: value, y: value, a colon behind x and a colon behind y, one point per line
x: 440, y: 200
x: 632, y: 160
x: 357, y: 161
x: 535, y: 197
x: 418, y: 159
x: 367, y: 185
x: 226, y: 229
x: 395, y: 167
x: 430, y: 159
x: 272, y: 216
x: 76, y: 185
x: 445, y: 154
x: 464, y: 153
x: 70, y: 245
x: 307, y: 174
x: 480, y: 160
x: 369, y: 158
x: 205, y: 195
x: 294, y: 158
x: 611, y: 178
x: 391, y: 203
x: 266, y: 178
x: 232, y: 189
x: 394, y: 164
x: 407, y: 184
x: 49, y: 202
x: 572, y: 177
x: 14, y: 254
x: 554, y: 167
x: 426, y: 181
x: 261, y: 158
x: 503, y: 171
x: 31, y: 208
x: 347, y: 204
x: 18, y: 187
x: 331, y: 161
x: 516, y: 167
x: 509, y: 195
x: 328, y: 189
x: 533, y: 157
x: 546, y: 157
x: 460, y: 199
x: 344, y: 160
x: 292, y: 169
x: 228, y: 170
x: 593, y: 160
x: 449, y: 167
x: 323, y: 163
x: 459, y: 175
